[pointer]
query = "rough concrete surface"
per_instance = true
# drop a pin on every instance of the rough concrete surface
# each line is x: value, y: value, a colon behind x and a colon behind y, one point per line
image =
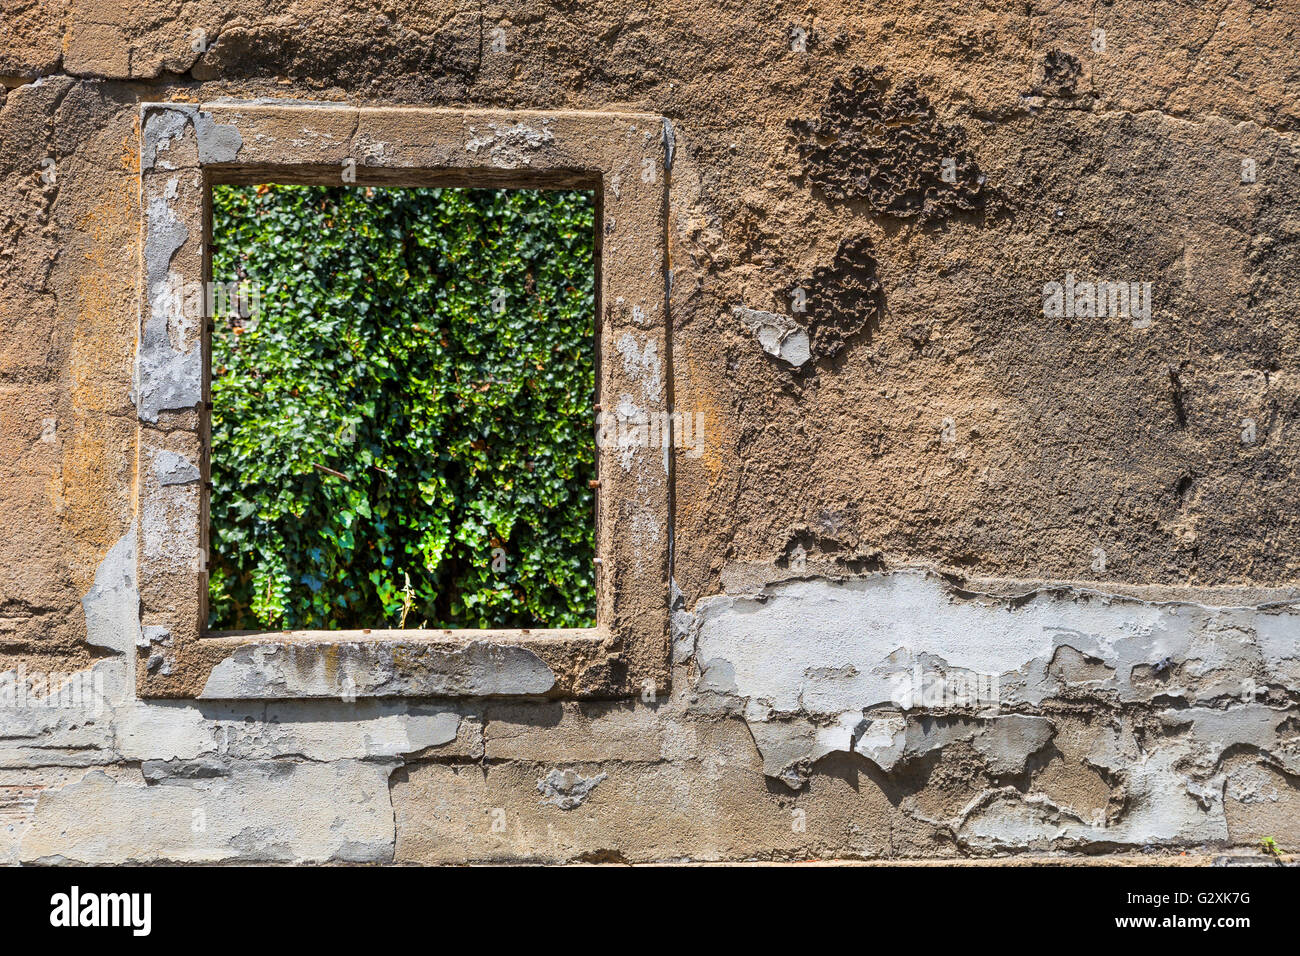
x: 987, y: 548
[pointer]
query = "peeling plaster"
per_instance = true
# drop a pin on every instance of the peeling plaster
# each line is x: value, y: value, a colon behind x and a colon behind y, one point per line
x: 567, y: 789
x: 168, y: 375
x: 851, y: 686
x: 1179, y: 708
x: 266, y: 777
x: 161, y: 128
x: 112, y: 605
x: 274, y: 811
x: 778, y: 335
x: 218, y: 142
x: 169, y: 518
x: 172, y: 469
x: 165, y: 123
x: 166, y: 378
x: 881, y: 626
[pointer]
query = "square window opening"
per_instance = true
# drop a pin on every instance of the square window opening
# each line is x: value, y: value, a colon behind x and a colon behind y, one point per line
x: 401, y: 398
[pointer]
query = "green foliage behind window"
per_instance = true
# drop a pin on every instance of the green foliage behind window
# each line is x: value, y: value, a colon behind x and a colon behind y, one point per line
x: 434, y: 346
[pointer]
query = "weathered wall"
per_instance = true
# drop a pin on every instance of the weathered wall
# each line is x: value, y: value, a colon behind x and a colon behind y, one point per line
x: 922, y: 485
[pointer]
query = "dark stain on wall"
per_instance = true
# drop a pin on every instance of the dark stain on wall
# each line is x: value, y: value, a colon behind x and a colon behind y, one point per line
x: 843, y: 300
x: 880, y: 143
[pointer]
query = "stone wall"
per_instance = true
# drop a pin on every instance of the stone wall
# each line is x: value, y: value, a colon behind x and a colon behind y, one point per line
x: 959, y: 567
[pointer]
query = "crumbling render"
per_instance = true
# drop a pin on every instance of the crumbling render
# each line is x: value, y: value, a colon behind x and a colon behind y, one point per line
x: 782, y: 678
x: 842, y: 301
x: 907, y: 669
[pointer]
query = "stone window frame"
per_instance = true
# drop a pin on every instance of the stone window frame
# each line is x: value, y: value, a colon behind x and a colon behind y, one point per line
x: 625, y: 158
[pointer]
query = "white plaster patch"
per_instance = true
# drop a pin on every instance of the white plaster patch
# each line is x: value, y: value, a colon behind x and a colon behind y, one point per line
x: 111, y: 605
x: 169, y: 526
x: 869, y: 632
x: 567, y: 789
x: 822, y: 667
x: 170, y: 468
x: 642, y: 364
x: 169, y: 361
x: 777, y: 335
x: 508, y: 146
x: 628, y: 411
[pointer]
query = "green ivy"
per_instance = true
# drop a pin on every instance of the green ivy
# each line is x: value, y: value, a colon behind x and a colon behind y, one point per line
x: 434, y: 347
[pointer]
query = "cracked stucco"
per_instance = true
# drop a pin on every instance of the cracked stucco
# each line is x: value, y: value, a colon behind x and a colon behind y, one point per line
x: 894, y: 715
x: 1065, y: 671
x: 1172, y: 689
x: 218, y: 781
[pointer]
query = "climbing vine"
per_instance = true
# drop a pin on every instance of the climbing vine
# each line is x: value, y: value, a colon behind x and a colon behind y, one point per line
x: 402, y: 432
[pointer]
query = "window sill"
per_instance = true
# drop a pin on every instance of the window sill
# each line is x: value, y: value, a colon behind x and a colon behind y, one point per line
x: 347, y: 665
